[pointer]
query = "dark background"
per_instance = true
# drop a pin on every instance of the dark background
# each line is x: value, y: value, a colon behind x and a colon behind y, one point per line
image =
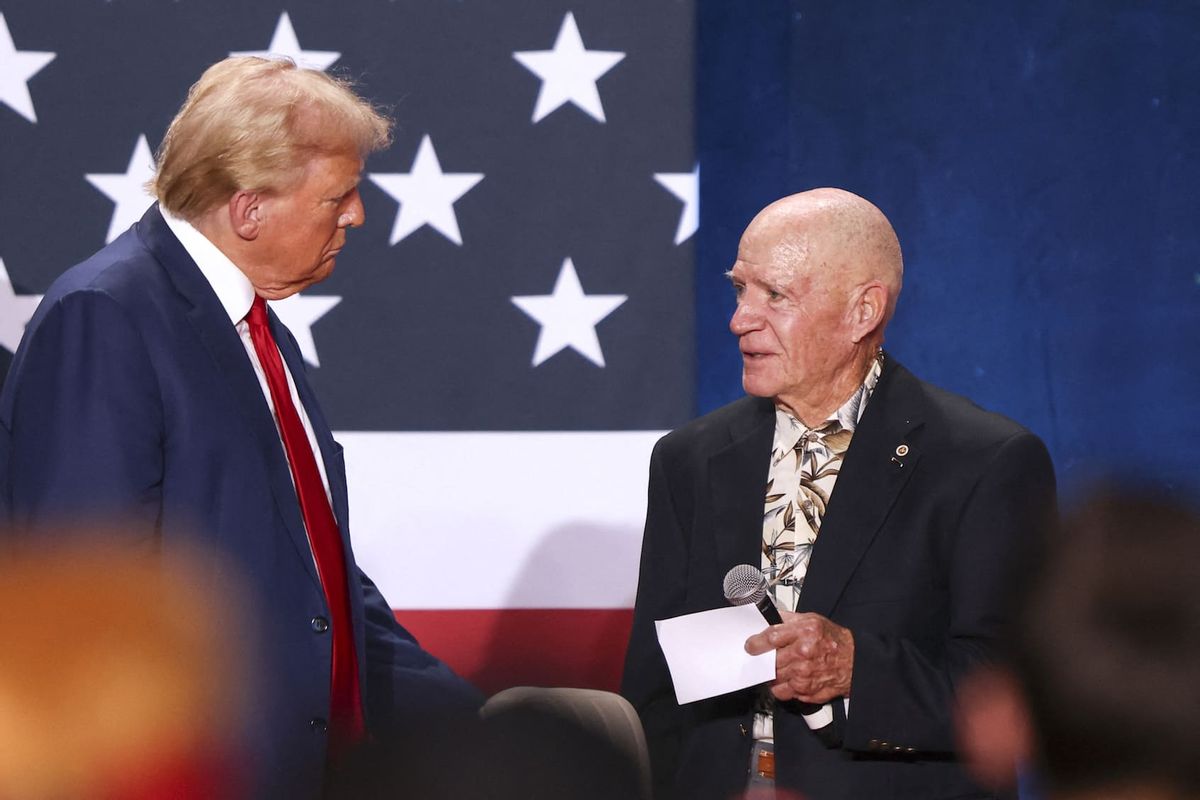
x: 1038, y: 160
x: 1039, y: 163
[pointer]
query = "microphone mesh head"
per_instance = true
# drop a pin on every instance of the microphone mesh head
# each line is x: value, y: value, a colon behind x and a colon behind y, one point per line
x: 745, y: 585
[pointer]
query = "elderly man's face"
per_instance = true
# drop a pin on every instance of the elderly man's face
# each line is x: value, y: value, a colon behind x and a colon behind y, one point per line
x: 791, y: 321
x: 304, y: 228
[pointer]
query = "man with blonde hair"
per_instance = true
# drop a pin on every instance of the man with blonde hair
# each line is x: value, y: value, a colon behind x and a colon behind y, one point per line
x: 886, y: 514
x: 154, y: 389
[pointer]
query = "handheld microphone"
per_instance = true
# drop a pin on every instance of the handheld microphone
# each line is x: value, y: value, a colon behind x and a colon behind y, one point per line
x: 745, y: 584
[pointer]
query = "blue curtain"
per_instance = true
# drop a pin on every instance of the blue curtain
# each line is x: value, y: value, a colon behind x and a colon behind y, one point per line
x: 1038, y: 160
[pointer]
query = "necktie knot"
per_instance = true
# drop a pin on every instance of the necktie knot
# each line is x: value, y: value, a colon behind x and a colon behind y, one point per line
x: 257, y: 316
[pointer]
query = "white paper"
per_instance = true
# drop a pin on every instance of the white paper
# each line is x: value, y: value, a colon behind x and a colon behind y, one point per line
x: 706, y: 652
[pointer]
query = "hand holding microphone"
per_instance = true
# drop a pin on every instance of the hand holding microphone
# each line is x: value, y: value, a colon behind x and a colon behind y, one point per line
x: 814, y: 657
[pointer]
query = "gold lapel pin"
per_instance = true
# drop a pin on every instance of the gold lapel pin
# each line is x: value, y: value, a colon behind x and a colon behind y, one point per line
x: 902, y: 450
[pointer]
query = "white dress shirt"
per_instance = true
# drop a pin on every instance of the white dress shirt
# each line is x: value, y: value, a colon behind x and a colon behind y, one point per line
x: 236, y: 294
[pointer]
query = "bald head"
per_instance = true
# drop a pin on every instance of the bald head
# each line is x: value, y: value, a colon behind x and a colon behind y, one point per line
x: 816, y: 277
x: 833, y: 235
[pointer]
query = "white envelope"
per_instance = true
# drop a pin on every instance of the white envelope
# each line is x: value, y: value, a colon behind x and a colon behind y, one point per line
x: 706, y: 652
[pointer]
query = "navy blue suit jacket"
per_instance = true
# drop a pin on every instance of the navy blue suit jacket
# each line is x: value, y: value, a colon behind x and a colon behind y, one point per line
x: 914, y: 554
x: 131, y: 398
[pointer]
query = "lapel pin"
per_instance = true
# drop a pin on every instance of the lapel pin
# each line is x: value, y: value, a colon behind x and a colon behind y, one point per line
x: 902, y: 450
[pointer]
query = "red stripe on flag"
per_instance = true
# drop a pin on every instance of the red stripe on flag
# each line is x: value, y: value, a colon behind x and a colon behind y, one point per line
x: 503, y: 647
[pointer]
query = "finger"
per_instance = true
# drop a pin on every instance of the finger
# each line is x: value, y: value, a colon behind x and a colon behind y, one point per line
x: 760, y: 643
x: 773, y: 638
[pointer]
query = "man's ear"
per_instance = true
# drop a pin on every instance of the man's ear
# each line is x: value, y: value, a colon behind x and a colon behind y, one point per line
x: 868, y: 310
x: 245, y: 214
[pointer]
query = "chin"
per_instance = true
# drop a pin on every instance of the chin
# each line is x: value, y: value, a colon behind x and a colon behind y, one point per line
x: 323, y: 271
x: 756, y: 386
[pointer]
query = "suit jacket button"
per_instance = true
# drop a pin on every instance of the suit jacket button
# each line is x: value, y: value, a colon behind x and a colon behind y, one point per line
x: 317, y: 724
x: 319, y: 624
x: 873, y: 744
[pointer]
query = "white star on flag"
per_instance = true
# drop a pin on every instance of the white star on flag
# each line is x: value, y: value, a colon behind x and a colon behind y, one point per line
x: 15, y: 311
x: 128, y: 190
x: 685, y: 186
x: 299, y: 313
x: 568, y: 317
x: 285, y: 43
x: 16, y: 68
x: 568, y: 72
x: 426, y: 194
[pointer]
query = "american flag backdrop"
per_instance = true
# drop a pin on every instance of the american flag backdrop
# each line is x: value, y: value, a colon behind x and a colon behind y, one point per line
x: 504, y: 339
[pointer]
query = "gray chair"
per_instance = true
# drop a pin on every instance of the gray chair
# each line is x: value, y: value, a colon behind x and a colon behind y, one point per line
x: 604, y: 715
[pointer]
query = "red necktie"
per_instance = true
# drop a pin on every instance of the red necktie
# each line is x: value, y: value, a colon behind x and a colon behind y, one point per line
x: 345, y: 714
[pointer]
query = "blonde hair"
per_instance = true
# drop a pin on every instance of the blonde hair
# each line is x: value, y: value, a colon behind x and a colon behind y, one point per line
x: 255, y: 123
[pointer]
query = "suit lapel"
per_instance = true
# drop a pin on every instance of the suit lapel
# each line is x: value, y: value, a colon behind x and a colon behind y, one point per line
x: 737, y: 485
x: 881, y: 458
x: 224, y: 346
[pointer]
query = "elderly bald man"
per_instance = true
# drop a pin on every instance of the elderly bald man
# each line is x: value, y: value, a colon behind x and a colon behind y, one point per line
x: 888, y: 514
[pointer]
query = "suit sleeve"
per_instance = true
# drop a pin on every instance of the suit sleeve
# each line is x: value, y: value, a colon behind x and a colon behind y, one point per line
x: 405, y: 684
x: 903, y: 689
x: 646, y: 682
x: 85, y: 421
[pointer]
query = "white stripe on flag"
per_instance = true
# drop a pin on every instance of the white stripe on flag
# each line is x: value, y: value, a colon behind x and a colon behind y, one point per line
x: 499, y: 520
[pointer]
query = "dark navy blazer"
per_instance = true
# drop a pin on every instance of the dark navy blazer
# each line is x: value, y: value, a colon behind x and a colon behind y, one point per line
x: 131, y: 398
x: 936, y: 504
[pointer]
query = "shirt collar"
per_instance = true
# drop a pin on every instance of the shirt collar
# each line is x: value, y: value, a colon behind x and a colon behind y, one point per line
x: 789, y: 430
x: 229, y: 283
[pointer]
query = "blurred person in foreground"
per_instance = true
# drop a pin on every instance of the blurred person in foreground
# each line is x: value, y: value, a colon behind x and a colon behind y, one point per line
x: 889, y: 514
x: 1102, y: 696
x: 155, y: 388
x: 119, y: 676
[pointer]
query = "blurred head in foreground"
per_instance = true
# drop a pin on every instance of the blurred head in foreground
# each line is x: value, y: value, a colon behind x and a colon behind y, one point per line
x: 119, y: 678
x: 1103, y: 695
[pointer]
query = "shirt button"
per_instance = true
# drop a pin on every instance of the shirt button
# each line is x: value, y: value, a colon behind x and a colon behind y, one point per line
x: 317, y: 724
x: 319, y: 624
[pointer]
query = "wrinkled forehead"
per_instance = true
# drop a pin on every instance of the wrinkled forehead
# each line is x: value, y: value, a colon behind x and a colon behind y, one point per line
x: 779, y: 249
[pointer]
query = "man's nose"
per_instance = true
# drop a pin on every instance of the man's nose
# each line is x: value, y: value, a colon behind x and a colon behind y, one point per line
x: 354, y: 213
x: 746, y: 317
